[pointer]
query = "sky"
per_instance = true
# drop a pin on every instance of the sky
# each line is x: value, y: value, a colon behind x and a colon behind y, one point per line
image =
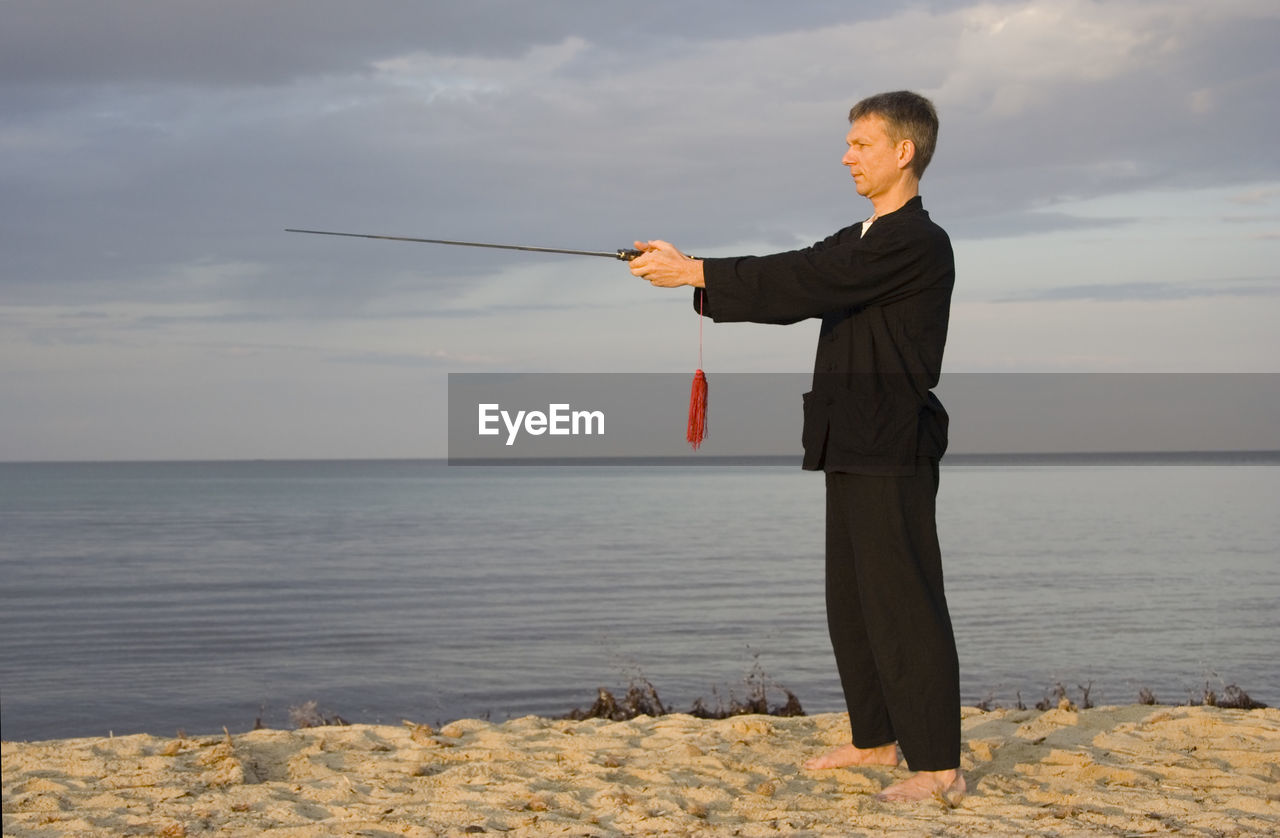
x: 1108, y: 173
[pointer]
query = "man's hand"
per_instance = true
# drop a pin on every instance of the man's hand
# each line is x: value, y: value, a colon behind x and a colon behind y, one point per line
x: 665, y: 267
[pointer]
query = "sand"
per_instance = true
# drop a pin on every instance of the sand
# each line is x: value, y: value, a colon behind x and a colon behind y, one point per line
x: 1138, y: 770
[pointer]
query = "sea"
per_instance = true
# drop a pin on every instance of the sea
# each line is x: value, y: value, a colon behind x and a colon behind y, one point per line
x: 162, y: 597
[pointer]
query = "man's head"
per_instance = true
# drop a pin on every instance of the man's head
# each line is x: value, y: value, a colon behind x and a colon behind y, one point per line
x: 908, y: 117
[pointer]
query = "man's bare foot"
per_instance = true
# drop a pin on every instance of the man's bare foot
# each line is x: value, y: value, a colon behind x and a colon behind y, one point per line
x: 847, y: 755
x: 923, y: 785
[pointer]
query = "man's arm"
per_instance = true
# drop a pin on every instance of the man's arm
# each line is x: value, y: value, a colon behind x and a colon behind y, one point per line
x: 850, y: 272
x: 846, y: 270
x: 664, y: 266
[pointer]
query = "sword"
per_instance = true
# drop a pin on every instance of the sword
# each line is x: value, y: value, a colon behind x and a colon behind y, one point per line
x: 625, y: 254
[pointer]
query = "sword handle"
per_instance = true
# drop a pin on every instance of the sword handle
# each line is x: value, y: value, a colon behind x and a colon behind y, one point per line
x: 626, y: 255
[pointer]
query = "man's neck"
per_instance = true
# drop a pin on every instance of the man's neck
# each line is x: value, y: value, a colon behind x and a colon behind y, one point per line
x: 894, y: 199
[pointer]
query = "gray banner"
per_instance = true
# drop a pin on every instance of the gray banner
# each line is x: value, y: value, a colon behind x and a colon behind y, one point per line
x: 583, y: 418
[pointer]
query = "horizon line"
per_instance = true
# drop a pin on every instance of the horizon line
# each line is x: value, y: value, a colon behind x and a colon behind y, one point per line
x: 683, y: 459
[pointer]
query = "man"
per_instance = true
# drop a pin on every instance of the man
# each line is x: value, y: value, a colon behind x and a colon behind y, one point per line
x: 882, y: 289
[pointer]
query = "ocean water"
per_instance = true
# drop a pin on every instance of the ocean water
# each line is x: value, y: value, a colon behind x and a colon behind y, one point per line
x: 163, y: 596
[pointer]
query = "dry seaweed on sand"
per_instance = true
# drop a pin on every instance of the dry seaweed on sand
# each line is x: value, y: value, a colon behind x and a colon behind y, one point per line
x: 641, y: 698
x: 308, y: 714
x: 1232, y: 698
x: 1229, y: 697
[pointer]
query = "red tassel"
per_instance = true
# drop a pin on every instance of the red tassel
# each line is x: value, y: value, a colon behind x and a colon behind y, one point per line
x: 697, y: 410
x: 698, y: 394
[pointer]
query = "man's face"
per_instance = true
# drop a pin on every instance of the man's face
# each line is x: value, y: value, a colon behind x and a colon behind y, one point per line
x: 873, y: 158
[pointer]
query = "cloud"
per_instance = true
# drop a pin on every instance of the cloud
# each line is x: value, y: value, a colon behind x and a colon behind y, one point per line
x: 243, y: 42
x: 569, y: 136
x: 1116, y: 291
x: 1015, y: 224
x: 437, y: 359
x: 428, y: 119
x: 1004, y: 59
x: 1260, y: 196
x: 152, y: 153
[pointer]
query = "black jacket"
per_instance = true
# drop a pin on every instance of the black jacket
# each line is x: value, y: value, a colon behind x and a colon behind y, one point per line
x: 884, y: 299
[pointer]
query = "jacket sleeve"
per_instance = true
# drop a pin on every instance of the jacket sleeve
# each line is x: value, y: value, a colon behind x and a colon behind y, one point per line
x: 844, y: 271
x: 702, y: 304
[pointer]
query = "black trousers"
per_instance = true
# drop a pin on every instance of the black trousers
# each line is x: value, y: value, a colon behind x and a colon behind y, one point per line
x: 888, y: 618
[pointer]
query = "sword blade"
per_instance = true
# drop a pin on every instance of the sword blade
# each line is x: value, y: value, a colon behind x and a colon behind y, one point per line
x: 623, y: 254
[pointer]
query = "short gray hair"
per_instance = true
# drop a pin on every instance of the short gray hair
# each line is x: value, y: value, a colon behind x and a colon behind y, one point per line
x: 907, y: 116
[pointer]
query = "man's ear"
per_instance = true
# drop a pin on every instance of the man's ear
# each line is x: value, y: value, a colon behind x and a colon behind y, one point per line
x: 906, y: 153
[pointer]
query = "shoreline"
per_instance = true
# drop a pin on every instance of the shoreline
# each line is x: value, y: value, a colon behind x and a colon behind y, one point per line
x: 1150, y: 769
x: 760, y: 695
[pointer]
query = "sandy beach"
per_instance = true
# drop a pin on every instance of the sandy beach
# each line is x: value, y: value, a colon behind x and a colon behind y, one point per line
x: 1132, y: 770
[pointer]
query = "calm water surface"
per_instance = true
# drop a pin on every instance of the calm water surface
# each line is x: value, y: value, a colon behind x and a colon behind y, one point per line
x: 157, y: 596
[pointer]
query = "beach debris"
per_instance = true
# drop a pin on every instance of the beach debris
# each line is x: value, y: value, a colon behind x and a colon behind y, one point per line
x: 1232, y: 698
x: 766, y: 788
x: 758, y: 683
x: 422, y: 734
x: 308, y: 714
x: 641, y: 699
x: 1056, y: 698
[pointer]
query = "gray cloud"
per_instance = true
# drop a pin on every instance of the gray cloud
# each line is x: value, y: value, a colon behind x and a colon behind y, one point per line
x: 1012, y: 224
x: 489, y: 120
x: 1114, y: 291
x: 242, y: 42
x: 152, y: 153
